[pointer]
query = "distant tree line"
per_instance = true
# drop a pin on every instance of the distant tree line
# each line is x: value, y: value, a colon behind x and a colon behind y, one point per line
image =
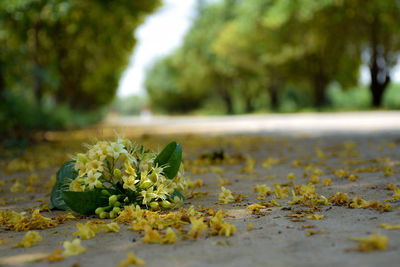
x: 252, y: 54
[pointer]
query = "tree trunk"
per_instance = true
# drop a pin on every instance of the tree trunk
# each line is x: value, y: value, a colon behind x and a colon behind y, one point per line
x: 379, y: 72
x: 2, y: 80
x: 273, y: 90
x: 249, y: 107
x: 37, y: 76
x: 228, y: 102
x: 319, y: 90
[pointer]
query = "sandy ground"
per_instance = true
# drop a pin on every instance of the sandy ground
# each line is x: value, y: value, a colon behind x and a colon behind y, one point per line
x: 275, y: 240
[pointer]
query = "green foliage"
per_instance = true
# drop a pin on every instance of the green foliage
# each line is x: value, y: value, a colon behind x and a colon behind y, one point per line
x: 271, y: 54
x: 65, y: 175
x: 68, y: 53
x: 84, y: 202
x: 171, y: 157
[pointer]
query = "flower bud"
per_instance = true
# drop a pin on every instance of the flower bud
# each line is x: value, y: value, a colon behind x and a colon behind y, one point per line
x: 146, y: 184
x: 112, y: 199
x: 105, y: 192
x: 165, y: 204
x: 112, y: 214
x: 98, y: 211
x: 81, y: 181
x: 81, y: 157
x: 116, y: 210
x: 117, y: 173
x: 154, y: 205
x: 99, y: 184
x: 103, y: 215
x: 117, y: 204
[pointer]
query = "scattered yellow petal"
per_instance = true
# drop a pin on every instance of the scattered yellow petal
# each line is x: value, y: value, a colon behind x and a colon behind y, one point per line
x: 291, y: 176
x: 72, y: 248
x: 250, y: 227
x: 16, y: 187
x: 111, y: 227
x: 372, y: 242
x: 311, y: 232
x: 151, y: 236
x: 197, y: 227
x: 223, y: 181
x: 56, y: 255
x: 327, y: 182
x: 315, y: 217
x: 225, y: 196
x: 352, y: 177
x: 170, y: 236
x: 255, y: 207
x: 30, y: 239
x: 86, y: 231
x: 131, y: 260
x: 389, y: 226
x: 314, y: 179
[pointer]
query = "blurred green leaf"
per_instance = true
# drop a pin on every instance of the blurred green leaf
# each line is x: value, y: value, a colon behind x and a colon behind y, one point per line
x: 171, y: 157
x: 84, y: 202
x: 65, y: 175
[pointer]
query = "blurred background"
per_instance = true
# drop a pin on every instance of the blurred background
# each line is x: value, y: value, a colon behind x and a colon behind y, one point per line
x: 66, y: 64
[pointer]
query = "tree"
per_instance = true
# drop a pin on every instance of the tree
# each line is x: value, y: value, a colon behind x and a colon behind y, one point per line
x: 74, y: 50
x: 376, y: 27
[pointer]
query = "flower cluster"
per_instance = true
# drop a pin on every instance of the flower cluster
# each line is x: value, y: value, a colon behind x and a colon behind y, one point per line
x: 127, y: 174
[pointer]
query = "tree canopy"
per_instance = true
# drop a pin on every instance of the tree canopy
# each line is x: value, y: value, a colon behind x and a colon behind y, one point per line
x: 249, y: 54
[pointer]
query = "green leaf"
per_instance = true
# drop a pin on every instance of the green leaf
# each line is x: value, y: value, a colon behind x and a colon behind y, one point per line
x: 177, y: 193
x: 85, y: 202
x: 171, y: 157
x: 65, y: 175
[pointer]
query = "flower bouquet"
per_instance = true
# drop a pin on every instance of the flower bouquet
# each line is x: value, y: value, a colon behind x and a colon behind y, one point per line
x: 111, y: 175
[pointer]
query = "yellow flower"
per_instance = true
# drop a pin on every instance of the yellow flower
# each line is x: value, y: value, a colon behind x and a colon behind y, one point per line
x: 314, y: 179
x: 151, y: 236
x: 111, y: 227
x: 296, y: 199
x: 352, y: 177
x: 227, y: 229
x: 255, y: 207
x: 276, y: 204
x: 197, y: 227
x: 396, y: 194
x: 266, y: 164
x: 30, y: 239
x: 94, y: 165
x: 170, y: 236
x: 341, y: 173
x: 116, y: 149
x: 129, y: 182
x: 262, y: 190
x: 281, y: 192
x: 291, y: 176
x: 225, y: 196
x: 148, y: 195
x: 327, y: 182
x: 73, y: 248
x: 92, y: 178
x: 369, y: 243
x: 359, y: 203
x: 16, y: 187
x: 131, y: 260
x: 86, y: 231
x: 315, y: 217
x: 389, y: 226
x: 129, y: 169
